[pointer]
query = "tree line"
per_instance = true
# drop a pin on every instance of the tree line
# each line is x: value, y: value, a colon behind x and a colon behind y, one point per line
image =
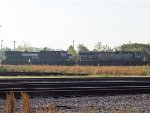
x: 134, y: 47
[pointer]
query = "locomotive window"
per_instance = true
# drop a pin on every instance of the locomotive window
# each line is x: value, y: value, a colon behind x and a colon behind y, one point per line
x: 29, y: 54
x: 63, y: 54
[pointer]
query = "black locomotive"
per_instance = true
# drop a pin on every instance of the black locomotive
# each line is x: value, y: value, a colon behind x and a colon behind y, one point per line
x: 82, y: 58
x: 112, y: 58
x: 37, y: 58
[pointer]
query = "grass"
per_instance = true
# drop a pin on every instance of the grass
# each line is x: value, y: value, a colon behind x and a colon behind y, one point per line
x: 26, y: 106
x: 48, y: 109
x: 10, y: 102
x: 91, y: 70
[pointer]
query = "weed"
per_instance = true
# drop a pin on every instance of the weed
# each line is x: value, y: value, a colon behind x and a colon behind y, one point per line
x: 10, y: 102
x: 26, y: 107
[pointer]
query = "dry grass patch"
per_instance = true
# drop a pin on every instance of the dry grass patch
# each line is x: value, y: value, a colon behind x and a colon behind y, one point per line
x: 10, y: 103
x: 47, y: 109
x: 91, y: 70
x: 26, y: 106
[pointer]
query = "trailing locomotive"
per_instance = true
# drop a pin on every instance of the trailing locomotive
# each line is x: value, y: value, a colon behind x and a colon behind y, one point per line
x: 112, y: 58
x: 82, y: 58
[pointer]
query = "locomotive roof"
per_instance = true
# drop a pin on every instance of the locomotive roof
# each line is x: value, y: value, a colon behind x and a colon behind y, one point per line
x: 96, y: 52
x: 31, y: 52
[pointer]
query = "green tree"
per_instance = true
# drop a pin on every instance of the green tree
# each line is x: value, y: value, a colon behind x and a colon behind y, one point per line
x: 82, y: 48
x: 2, y: 55
x: 137, y: 47
x: 71, y: 50
x: 98, y: 46
x: 47, y: 49
x: 25, y: 47
x: 107, y: 48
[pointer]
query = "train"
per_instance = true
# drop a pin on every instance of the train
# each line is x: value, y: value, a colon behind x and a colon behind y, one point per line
x: 92, y: 58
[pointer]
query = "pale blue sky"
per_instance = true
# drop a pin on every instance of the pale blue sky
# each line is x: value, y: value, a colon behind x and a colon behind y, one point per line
x: 56, y: 23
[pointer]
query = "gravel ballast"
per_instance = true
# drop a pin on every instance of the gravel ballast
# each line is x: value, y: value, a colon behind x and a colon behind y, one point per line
x: 139, y: 103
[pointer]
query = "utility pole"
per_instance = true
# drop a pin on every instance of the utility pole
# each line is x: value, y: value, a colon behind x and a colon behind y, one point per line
x: 14, y: 44
x: 1, y: 45
x: 73, y: 44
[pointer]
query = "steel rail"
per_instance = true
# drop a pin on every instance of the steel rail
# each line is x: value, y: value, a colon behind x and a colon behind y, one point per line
x: 75, y: 86
x: 38, y: 73
x: 139, y: 78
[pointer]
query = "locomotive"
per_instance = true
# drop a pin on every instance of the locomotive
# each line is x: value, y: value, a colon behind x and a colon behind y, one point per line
x: 82, y: 58
x: 112, y: 58
x: 37, y: 58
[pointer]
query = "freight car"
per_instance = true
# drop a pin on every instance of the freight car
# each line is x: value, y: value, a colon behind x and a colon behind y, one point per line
x: 111, y: 58
x: 37, y: 58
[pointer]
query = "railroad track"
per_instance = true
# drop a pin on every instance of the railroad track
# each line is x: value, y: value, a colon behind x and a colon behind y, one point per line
x: 75, y: 86
x: 39, y: 73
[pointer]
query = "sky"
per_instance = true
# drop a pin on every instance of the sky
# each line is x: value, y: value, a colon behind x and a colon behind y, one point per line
x: 56, y: 23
